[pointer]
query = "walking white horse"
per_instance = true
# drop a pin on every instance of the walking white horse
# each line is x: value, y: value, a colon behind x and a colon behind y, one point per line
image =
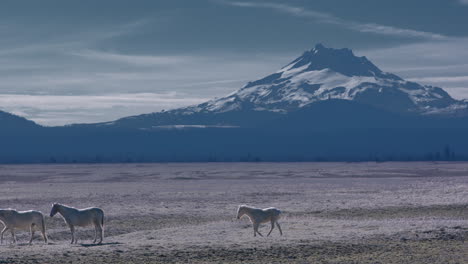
x: 258, y: 216
x: 25, y: 220
x: 81, y: 217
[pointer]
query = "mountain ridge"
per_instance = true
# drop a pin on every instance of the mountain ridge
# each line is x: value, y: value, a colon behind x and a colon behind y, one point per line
x: 11, y: 122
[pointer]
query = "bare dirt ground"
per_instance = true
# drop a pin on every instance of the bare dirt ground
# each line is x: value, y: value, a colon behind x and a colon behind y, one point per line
x: 185, y: 213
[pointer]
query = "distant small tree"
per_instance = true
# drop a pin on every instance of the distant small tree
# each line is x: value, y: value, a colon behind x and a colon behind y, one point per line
x: 447, y: 152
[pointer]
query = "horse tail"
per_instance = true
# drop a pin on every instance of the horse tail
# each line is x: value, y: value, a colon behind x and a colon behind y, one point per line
x: 43, y: 228
x: 43, y: 223
x: 102, y: 223
x: 278, y: 213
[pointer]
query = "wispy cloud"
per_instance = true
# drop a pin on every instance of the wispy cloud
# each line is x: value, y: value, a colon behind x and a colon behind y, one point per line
x: 429, y: 68
x: 463, y: 2
x: 441, y: 79
x: 141, y: 60
x: 63, y: 41
x: 334, y: 20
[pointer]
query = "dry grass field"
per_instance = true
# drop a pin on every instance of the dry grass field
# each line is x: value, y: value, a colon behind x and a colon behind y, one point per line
x: 185, y: 213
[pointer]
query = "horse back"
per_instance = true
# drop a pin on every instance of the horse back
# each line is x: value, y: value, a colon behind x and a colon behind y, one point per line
x: 31, y: 212
x: 89, y: 216
x: 24, y: 219
x: 273, y: 211
x: 34, y: 215
x: 98, y: 212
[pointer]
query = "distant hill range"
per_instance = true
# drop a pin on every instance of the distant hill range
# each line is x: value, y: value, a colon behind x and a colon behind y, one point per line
x: 326, y: 105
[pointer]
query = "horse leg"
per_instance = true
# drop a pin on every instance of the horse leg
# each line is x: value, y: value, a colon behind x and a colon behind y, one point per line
x: 272, y: 226
x: 95, y: 234
x: 279, y: 227
x: 75, y: 236
x: 72, y: 229
x: 44, y: 235
x: 32, y: 234
x: 43, y: 230
x: 100, y: 231
x: 12, y: 230
x: 256, y: 229
x: 3, y: 232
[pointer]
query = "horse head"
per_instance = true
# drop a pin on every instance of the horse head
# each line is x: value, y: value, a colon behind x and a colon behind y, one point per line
x: 240, y: 211
x: 54, y: 210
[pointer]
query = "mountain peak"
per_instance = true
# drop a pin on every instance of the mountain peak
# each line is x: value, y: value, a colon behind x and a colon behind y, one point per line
x: 341, y: 61
x: 319, y: 47
x: 338, y: 60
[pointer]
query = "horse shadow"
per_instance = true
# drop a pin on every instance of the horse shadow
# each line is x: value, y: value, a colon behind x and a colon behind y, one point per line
x: 23, y: 244
x: 102, y: 244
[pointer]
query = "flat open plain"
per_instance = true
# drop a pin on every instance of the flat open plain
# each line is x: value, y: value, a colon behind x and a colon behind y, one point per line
x: 185, y: 212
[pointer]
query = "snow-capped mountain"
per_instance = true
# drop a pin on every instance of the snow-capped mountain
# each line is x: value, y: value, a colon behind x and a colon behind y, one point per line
x: 319, y: 75
x: 328, y: 104
x: 325, y: 73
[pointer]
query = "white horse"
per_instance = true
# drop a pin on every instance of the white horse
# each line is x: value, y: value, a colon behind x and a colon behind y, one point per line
x: 258, y: 216
x: 81, y: 217
x: 25, y: 220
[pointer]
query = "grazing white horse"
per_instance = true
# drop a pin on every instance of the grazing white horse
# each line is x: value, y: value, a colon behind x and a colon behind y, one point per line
x: 258, y: 216
x: 25, y: 220
x: 81, y: 217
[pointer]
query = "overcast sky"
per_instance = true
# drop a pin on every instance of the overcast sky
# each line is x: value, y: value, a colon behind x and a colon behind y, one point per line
x: 86, y: 61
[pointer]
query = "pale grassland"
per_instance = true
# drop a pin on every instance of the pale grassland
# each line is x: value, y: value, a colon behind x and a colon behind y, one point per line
x: 333, y: 212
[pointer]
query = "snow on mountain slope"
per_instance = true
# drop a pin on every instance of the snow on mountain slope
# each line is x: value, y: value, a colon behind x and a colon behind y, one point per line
x: 325, y: 73
x: 319, y: 75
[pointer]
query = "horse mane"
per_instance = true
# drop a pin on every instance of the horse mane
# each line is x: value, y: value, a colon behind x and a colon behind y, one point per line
x: 8, y: 211
x: 65, y: 205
